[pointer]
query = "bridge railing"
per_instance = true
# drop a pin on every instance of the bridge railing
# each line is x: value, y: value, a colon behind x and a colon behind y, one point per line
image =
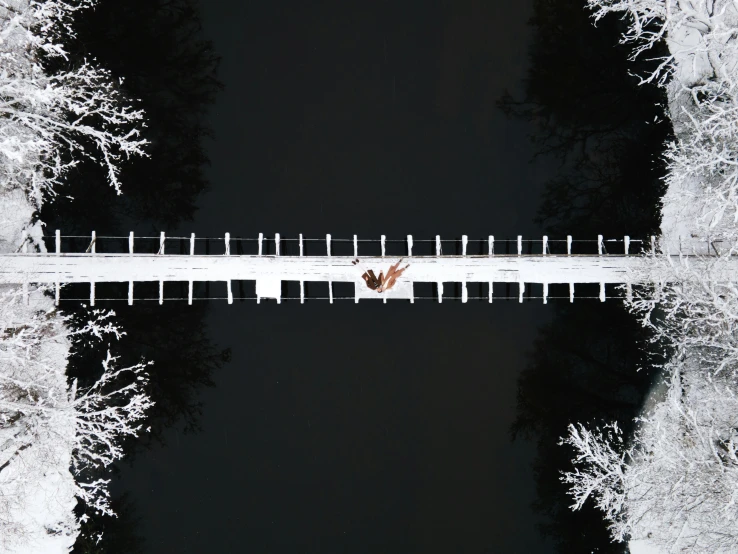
x: 449, y: 251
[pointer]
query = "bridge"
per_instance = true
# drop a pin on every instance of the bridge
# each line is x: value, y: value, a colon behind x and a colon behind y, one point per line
x: 270, y: 270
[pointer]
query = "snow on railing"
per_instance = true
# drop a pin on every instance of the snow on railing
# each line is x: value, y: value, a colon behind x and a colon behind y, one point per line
x: 547, y: 262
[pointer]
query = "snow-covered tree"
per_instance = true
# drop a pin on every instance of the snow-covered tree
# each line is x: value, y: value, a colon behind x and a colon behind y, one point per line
x: 51, y: 119
x: 674, y: 483
x: 54, y: 437
x: 48, y: 427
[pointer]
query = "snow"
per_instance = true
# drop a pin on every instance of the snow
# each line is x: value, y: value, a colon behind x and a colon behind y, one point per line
x: 46, y: 429
x: 39, y: 479
x: 643, y: 547
x: 673, y: 488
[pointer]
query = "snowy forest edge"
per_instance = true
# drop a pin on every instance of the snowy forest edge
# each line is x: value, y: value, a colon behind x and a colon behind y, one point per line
x: 56, y: 438
x: 672, y: 485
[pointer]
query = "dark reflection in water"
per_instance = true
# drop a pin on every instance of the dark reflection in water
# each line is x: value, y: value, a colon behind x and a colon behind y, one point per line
x: 608, y: 134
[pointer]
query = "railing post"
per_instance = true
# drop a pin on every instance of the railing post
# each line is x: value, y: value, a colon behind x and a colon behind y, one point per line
x: 520, y: 246
x: 439, y: 285
x: 491, y: 252
x: 626, y: 244
x: 261, y: 238
x: 545, y: 246
x: 602, y: 292
x: 545, y: 293
x: 599, y: 245
x: 410, y: 245
x: 162, y: 238
x: 464, y: 293
x: 189, y: 283
x: 382, y: 241
x: 57, y: 242
x: 568, y: 245
x: 227, y: 244
x: 130, y: 243
x: 130, y: 293
x: 230, y: 291
x: 464, y: 240
x: 356, y: 247
x: 92, y: 283
x: 302, y: 283
x: 521, y: 291
x: 571, y: 293
x: 330, y: 283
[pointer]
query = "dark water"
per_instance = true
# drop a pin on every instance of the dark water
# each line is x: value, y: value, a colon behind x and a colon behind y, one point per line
x: 370, y: 428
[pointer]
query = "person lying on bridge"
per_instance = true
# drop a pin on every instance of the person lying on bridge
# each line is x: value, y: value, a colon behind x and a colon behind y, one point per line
x: 381, y: 283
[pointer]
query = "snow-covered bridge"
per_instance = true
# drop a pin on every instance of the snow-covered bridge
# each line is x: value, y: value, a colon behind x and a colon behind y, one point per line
x: 270, y: 270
